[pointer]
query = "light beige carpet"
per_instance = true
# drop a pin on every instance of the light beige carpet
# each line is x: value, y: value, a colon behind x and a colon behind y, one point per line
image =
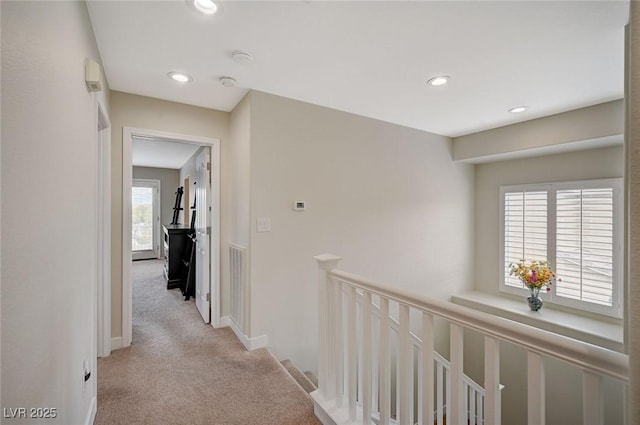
x: 181, y: 371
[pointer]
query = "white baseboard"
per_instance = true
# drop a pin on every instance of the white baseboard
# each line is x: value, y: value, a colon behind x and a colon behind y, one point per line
x: 91, y: 414
x: 258, y: 342
x: 225, y: 321
x: 249, y: 343
x: 324, y: 412
x: 116, y: 343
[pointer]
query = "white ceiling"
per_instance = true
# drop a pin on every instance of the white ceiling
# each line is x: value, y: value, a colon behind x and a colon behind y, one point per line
x: 373, y: 58
x: 161, y: 153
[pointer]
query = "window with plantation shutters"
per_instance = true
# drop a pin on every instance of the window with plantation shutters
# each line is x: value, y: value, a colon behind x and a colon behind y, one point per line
x: 576, y: 226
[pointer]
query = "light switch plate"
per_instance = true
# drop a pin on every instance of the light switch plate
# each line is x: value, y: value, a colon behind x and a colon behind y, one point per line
x: 263, y: 224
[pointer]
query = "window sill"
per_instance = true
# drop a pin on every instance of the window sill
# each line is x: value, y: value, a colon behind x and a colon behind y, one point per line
x: 585, y: 329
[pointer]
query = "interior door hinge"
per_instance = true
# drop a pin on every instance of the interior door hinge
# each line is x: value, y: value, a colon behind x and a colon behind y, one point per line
x: 208, y: 166
x: 208, y: 296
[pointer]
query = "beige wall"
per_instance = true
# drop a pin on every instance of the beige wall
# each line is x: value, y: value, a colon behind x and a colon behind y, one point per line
x: 236, y: 169
x: 153, y: 114
x: 169, y: 183
x: 49, y: 180
x: 387, y: 198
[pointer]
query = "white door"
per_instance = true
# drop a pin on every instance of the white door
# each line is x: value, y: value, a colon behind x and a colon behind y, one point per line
x: 203, y: 233
x: 145, y: 219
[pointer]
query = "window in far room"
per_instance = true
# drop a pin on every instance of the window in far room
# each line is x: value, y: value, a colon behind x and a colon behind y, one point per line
x: 145, y: 219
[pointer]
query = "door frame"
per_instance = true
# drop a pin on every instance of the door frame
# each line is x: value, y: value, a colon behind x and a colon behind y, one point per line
x: 157, y: 213
x: 128, y: 133
x: 202, y: 192
x: 103, y: 230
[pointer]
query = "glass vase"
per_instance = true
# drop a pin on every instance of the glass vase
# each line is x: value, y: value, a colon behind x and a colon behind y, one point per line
x: 534, y: 301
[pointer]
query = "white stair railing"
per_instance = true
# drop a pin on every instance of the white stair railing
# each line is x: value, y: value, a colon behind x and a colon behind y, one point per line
x: 474, y: 393
x: 355, y: 359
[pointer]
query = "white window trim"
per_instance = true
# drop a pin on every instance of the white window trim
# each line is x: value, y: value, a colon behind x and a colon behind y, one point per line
x: 618, y: 216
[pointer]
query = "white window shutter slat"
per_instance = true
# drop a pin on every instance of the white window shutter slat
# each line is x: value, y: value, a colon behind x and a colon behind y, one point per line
x: 525, y: 230
x: 584, y: 240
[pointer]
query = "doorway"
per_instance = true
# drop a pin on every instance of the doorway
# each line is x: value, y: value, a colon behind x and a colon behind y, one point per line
x: 210, y: 224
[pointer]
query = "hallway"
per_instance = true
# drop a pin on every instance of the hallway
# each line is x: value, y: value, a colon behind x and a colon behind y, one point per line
x: 179, y: 370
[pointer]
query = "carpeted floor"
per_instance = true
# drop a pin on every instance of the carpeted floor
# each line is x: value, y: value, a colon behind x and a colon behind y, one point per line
x: 181, y: 371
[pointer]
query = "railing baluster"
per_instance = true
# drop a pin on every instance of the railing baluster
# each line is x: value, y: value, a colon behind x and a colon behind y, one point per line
x: 447, y: 383
x: 419, y: 395
x: 338, y: 347
x: 412, y: 383
x: 384, y: 366
x: 366, y: 358
x: 592, y: 399
x: 427, y: 369
x: 480, y: 410
x: 457, y: 403
x: 359, y: 343
x: 352, y: 352
x: 472, y: 405
x: 323, y: 319
x: 376, y: 365
x: 492, y: 403
x: 535, y: 389
x: 465, y: 411
x: 404, y: 363
x: 440, y: 394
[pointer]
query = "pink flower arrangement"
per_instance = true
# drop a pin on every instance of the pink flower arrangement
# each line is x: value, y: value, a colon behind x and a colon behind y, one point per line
x: 534, y: 274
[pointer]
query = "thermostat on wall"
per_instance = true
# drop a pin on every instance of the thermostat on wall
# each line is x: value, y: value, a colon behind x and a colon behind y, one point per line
x: 300, y: 205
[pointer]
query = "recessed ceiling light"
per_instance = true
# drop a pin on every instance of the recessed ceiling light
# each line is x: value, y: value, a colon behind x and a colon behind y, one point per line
x: 208, y: 7
x: 228, y: 81
x: 440, y: 80
x: 518, y: 109
x: 242, y: 57
x: 180, y: 77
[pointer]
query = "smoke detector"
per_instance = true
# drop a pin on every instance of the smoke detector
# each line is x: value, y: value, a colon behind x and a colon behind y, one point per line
x: 228, y: 81
x: 242, y: 57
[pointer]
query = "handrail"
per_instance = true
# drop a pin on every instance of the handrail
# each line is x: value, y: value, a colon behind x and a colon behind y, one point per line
x: 584, y: 355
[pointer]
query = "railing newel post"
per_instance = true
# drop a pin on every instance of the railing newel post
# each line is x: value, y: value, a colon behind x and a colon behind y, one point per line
x: 326, y: 379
